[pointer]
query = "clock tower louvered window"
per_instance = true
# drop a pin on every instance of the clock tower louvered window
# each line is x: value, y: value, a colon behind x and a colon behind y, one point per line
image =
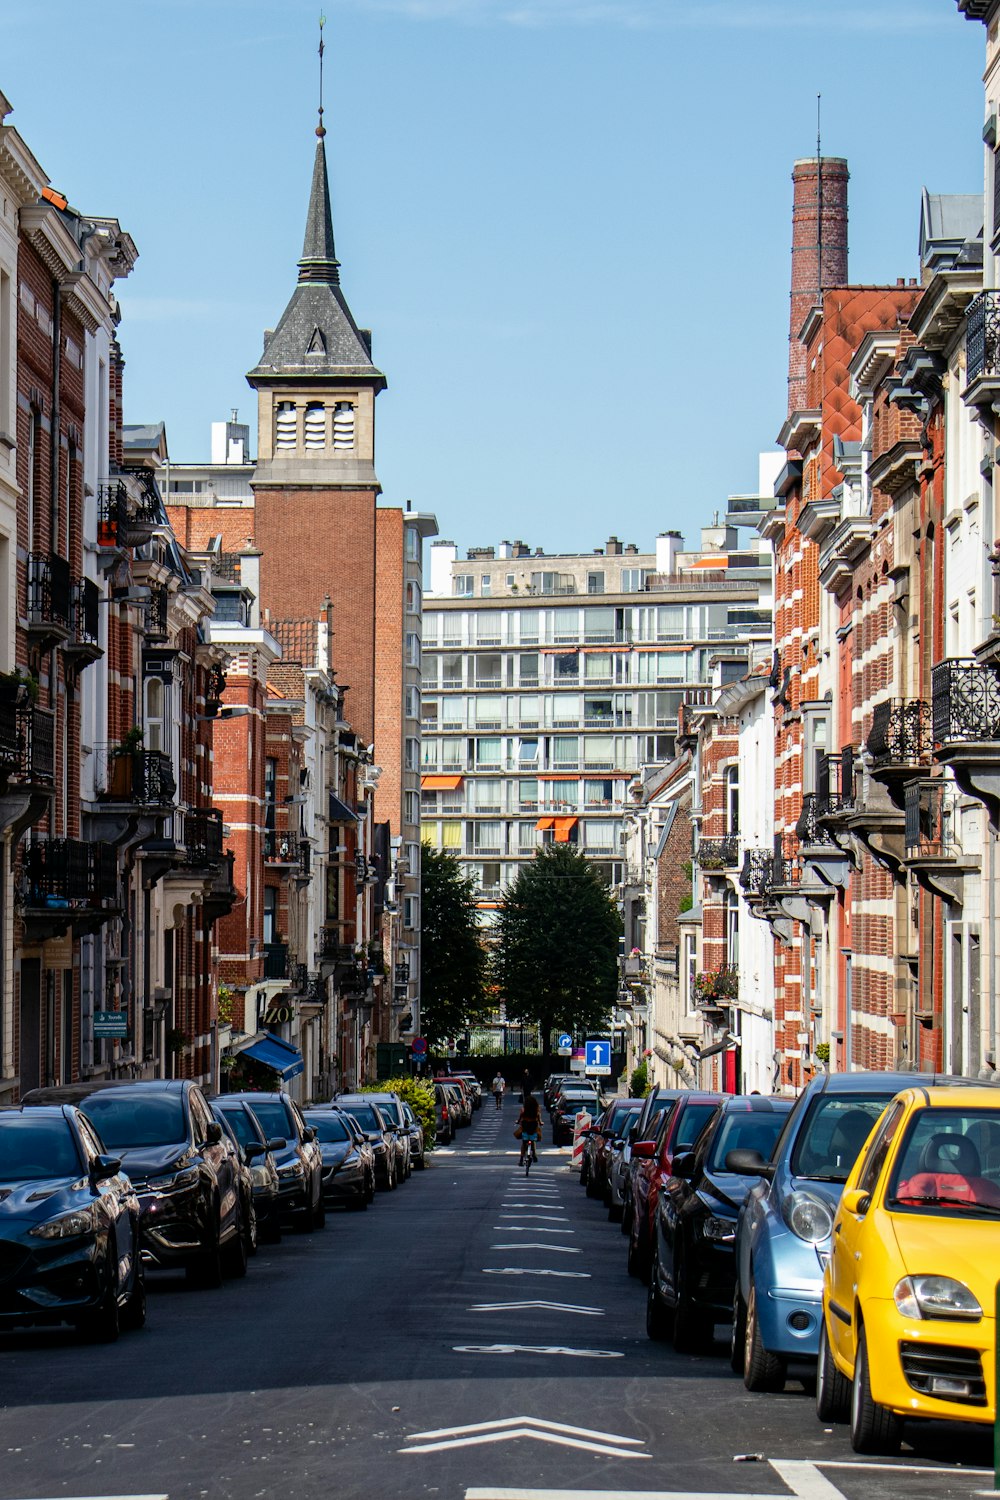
x: 315, y: 425
x: 284, y: 425
x: 343, y: 425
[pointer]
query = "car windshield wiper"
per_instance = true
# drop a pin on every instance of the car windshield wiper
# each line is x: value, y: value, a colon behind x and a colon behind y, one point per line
x: 934, y: 1200
x: 823, y: 1176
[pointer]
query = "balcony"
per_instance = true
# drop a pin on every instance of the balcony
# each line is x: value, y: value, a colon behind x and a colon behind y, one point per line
x: 27, y: 743
x: 757, y: 873
x: 143, y: 778
x: 81, y: 647
x: 66, y: 884
x: 203, y: 838
x: 982, y: 344
x: 50, y: 599
x: 828, y: 863
x: 714, y: 855
x: 899, y: 743
x: 128, y: 511
x: 933, y: 839
x: 966, y: 719
x: 155, y: 612
x: 280, y: 848
x: 275, y: 960
x: 222, y: 894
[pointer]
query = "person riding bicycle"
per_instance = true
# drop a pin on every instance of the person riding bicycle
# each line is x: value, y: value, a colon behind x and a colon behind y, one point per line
x: 529, y: 1123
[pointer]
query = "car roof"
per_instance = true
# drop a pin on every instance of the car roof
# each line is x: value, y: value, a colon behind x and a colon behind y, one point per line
x: 848, y: 1083
x: 73, y: 1093
x: 942, y: 1096
x: 258, y: 1095
x: 46, y: 1111
x: 761, y: 1104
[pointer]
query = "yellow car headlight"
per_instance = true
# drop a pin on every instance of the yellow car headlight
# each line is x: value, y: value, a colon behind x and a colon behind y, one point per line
x: 936, y: 1297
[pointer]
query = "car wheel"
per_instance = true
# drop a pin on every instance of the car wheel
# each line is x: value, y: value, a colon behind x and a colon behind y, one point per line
x: 626, y: 1219
x: 833, y: 1390
x: 420, y: 1162
x: 234, y: 1255
x: 638, y: 1257
x: 693, y: 1327
x: 762, y: 1370
x: 103, y: 1325
x: 133, y: 1314
x: 738, y: 1332
x: 659, y: 1318
x: 874, y: 1429
x: 206, y: 1271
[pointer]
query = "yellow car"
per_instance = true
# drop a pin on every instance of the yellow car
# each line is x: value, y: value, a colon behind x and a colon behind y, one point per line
x: 909, y: 1291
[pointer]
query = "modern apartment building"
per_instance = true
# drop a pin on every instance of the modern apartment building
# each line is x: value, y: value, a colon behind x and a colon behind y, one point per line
x: 549, y: 681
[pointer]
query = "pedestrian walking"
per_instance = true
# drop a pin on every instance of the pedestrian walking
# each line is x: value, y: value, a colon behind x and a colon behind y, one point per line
x: 498, y: 1085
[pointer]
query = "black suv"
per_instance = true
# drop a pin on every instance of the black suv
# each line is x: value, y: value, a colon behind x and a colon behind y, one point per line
x: 182, y: 1169
x: 299, y: 1161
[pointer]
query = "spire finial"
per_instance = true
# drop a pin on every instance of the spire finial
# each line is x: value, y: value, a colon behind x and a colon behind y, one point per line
x: 321, y: 128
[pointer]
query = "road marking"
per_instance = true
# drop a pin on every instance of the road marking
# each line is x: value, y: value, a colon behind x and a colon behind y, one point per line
x: 610, y: 1444
x: 804, y: 1480
x: 537, y: 1349
x: 548, y: 1218
x: 536, y: 1203
x: 532, y: 1271
x: 492, y: 1493
x: 528, y: 1229
x: 567, y: 1307
x: 530, y: 1245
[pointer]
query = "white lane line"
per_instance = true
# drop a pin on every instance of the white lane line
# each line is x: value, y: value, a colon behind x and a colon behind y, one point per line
x: 528, y: 1229
x: 537, y: 1349
x: 535, y: 1203
x: 493, y: 1493
x: 804, y: 1479
x: 566, y: 1307
x: 531, y: 1245
x: 533, y: 1271
x: 543, y: 1218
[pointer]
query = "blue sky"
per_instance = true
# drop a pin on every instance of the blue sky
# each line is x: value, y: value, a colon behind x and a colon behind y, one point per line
x: 566, y: 221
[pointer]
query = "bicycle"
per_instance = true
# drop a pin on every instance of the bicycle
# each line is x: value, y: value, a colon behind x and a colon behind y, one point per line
x: 528, y: 1155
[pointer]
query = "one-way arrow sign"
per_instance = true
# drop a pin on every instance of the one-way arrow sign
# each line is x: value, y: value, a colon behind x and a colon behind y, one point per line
x: 609, y: 1444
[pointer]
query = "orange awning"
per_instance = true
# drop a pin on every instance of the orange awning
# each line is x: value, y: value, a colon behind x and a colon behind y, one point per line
x: 564, y: 826
x: 544, y: 824
x: 440, y: 783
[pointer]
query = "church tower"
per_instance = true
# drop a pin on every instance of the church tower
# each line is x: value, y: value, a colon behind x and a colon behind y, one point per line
x: 315, y: 485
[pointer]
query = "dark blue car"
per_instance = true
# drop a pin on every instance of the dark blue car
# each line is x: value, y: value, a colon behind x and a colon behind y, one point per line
x: 69, y: 1226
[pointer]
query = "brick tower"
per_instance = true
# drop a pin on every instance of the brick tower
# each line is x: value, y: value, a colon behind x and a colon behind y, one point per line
x: 819, y: 252
x: 315, y: 485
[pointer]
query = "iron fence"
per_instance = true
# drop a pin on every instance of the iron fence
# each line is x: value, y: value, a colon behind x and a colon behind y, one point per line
x: 965, y: 701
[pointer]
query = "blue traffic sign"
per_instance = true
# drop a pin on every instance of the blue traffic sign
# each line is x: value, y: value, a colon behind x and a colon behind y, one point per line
x: 419, y: 1046
x: 598, y: 1057
x: 565, y: 1040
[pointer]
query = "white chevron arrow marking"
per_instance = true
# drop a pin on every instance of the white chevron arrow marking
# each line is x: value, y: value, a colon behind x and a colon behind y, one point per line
x: 610, y: 1444
x: 566, y: 1307
x: 531, y: 1271
x: 531, y: 1245
x: 536, y: 1349
x: 528, y: 1229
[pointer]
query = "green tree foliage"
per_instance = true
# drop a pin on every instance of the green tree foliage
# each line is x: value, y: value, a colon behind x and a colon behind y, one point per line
x: 556, y: 954
x: 638, y: 1086
x: 452, y: 956
x: 418, y: 1093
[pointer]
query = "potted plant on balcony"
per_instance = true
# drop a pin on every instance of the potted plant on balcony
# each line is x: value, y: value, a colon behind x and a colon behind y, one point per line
x: 121, y: 762
x: 18, y: 686
x: 715, y: 985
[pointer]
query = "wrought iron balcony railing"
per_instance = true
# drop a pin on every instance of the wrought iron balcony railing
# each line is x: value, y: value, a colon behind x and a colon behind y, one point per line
x: 50, y: 592
x: 155, y: 612
x: 145, y: 777
x: 275, y: 960
x: 835, y: 783
x: 982, y: 335
x: 808, y: 829
x: 931, y: 820
x: 122, y: 519
x: 719, y: 854
x: 59, y: 873
x: 215, y: 686
x: 305, y: 858
x: 27, y: 742
x: 203, y: 837
x: 757, y: 873
x: 966, y: 702
x: 901, y: 733
x: 86, y: 620
x: 280, y: 847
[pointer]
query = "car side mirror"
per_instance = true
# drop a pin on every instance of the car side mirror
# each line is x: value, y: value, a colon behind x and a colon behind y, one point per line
x: 104, y: 1167
x: 856, y: 1202
x: 683, y: 1165
x: 213, y: 1135
x: 618, y: 1143
x: 749, y: 1164
x: 309, y: 1134
x: 276, y: 1143
x: 644, y: 1150
x: 253, y: 1149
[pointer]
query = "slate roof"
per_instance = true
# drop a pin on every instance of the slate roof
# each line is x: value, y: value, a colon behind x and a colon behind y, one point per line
x: 947, y: 222
x: 317, y: 334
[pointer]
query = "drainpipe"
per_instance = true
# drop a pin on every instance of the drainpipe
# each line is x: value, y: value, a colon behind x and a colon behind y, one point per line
x: 848, y: 1004
x: 56, y: 446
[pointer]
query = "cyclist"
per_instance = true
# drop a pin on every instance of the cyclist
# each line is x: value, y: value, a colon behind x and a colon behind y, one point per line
x: 529, y: 1123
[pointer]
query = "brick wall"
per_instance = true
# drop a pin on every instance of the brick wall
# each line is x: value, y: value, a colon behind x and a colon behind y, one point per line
x: 389, y: 668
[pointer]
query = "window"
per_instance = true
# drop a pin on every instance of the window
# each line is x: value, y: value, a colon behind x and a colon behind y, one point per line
x: 485, y: 584
x: 464, y: 585
x: 487, y: 793
x: 451, y: 835
x: 732, y: 789
x: 488, y: 711
x: 411, y: 757
x: 509, y: 580
x: 34, y: 425
x: 527, y: 793
x: 566, y: 666
x: 412, y: 597
x: 527, y: 837
x: 411, y: 807
x: 284, y: 425
x: 528, y: 627
x: 879, y: 1149
x: 412, y: 703
x: 6, y: 352
x: 412, y: 649
x: 314, y: 427
x: 412, y: 544
x: 595, y: 582
x: 597, y: 666
x: 343, y: 425
x: 487, y: 752
x: 599, y: 624
x: 528, y: 752
x: 565, y: 750
x: 411, y: 912
x: 270, y: 913
x: 634, y: 580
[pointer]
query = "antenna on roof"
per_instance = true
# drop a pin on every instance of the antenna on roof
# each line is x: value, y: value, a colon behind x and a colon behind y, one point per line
x: 819, y: 198
x: 321, y: 128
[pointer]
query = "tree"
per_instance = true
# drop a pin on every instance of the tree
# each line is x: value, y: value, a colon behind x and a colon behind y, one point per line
x: 452, y: 957
x: 555, y: 959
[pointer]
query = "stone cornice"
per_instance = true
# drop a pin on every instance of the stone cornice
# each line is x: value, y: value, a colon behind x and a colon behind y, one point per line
x: 940, y: 314
x: 47, y: 234
x: 19, y: 169
x: 800, y: 430
x: 873, y: 358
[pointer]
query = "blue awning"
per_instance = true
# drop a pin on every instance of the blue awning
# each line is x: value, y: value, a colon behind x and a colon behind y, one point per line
x: 277, y: 1054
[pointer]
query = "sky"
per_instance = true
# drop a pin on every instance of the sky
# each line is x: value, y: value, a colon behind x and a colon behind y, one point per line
x: 567, y: 222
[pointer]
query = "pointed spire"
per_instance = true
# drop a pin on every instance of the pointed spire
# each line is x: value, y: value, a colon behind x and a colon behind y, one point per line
x: 319, y: 257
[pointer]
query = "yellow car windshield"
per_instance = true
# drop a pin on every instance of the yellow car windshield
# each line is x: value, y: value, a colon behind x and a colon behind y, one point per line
x: 949, y: 1163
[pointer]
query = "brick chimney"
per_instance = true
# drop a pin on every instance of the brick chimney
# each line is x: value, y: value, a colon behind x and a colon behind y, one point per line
x: 815, y: 182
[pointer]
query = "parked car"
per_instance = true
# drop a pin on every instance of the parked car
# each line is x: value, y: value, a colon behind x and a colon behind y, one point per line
x: 567, y: 1104
x: 180, y: 1165
x: 244, y: 1184
x: 910, y: 1285
x: 379, y: 1134
x: 784, y: 1229
x: 474, y: 1086
x: 258, y: 1154
x: 460, y: 1104
x: 418, y: 1155
x: 680, y: 1125
x: 552, y: 1085
x: 299, y: 1162
x: 445, y: 1115
x: 594, y: 1168
x: 391, y: 1108
x: 693, y: 1267
x: 348, y: 1173
x: 619, y: 1160
x: 69, y: 1226
x: 645, y: 1129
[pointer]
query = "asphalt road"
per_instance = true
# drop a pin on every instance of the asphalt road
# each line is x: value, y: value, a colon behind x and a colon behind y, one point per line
x: 344, y: 1363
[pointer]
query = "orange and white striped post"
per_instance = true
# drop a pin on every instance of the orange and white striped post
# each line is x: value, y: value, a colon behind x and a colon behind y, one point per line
x: 580, y: 1124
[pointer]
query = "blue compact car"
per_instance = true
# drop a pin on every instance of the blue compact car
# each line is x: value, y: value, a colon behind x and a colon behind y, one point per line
x: 783, y: 1233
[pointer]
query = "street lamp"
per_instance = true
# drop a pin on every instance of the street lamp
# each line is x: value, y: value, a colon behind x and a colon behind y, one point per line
x: 227, y: 711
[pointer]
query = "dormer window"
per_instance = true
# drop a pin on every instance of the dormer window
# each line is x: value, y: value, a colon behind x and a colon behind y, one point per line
x: 284, y: 425
x: 343, y: 425
x: 315, y: 425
